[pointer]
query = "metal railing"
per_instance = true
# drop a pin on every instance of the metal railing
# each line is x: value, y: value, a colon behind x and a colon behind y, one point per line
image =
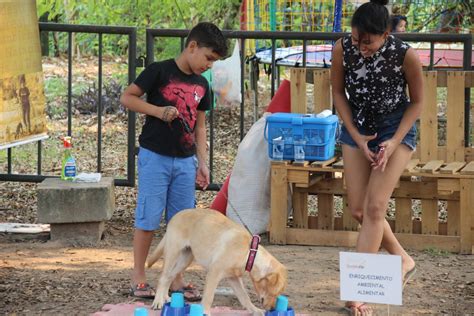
x: 242, y: 36
x: 131, y: 32
x: 151, y: 34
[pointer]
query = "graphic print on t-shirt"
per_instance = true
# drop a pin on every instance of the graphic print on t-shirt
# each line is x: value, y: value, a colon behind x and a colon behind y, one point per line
x: 186, y: 98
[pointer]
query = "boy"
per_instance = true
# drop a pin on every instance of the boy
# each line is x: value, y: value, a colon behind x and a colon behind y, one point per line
x: 173, y: 135
x: 398, y: 23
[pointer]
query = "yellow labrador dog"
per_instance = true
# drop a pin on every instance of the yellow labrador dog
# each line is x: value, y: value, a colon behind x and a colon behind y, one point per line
x: 222, y: 247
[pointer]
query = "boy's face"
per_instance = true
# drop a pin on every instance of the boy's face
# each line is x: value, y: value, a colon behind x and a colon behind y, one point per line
x: 201, y: 58
x: 401, y: 26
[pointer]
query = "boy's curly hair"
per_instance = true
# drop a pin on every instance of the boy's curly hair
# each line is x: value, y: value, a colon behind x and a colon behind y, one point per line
x: 207, y: 34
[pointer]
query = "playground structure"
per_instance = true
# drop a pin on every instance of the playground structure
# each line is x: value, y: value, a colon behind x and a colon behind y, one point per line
x: 436, y: 173
x: 427, y: 16
x: 334, y: 15
x: 319, y: 56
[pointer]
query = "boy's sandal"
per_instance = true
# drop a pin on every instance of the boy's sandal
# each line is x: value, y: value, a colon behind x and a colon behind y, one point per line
x: 190, y: 293
x: 142, y: 290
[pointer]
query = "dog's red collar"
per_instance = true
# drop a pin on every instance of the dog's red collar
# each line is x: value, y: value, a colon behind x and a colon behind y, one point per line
x: 253, y: 252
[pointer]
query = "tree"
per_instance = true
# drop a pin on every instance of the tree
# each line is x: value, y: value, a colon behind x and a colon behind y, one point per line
x: 142, y: 14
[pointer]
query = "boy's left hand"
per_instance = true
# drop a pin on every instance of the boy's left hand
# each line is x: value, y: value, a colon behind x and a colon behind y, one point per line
x: 202, y: 176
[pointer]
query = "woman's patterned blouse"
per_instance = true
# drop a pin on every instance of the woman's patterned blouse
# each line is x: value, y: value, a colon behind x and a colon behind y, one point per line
x: 376, y: 85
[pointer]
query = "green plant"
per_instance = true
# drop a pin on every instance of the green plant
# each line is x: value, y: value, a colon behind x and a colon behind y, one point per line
x: 436, y: 252
x: 141, y: 14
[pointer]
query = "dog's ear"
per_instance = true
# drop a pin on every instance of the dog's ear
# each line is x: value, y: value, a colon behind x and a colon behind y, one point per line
x: 273, y: 279
x: 277, y: 280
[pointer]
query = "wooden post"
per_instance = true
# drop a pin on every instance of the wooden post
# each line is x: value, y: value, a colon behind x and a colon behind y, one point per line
x: 429, y: 147
x: 322, y: 90
x: 300, y: 209
x: 429, y: 119
x: 467, y: 215
x: 322, y: 101
x: 403, y: 216
x: 278, y: 204
x: 348, y: 222
x: 298, y: 90
x: 455, y: 116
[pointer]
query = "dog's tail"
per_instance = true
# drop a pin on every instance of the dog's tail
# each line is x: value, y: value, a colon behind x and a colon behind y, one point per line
x: 157, y: 253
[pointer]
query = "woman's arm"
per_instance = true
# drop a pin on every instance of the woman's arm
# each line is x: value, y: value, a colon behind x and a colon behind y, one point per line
x: 341, y: 103
x: 414, y: 77
x: 131, y: 100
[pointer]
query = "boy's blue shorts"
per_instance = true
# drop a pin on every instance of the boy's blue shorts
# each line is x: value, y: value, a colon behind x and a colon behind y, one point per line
x: 388, y: 125
x: 163, y: 183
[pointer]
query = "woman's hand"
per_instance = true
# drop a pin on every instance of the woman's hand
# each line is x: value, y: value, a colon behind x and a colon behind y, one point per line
x: 386, y: 150
x: 362, y: 142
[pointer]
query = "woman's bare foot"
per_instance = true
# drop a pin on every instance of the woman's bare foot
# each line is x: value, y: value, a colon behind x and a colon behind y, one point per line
x: 408, y: 268
x: 358, y: 309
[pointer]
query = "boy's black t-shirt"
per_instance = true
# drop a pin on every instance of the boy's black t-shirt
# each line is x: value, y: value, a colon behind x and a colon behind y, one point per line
x: 166, y: 85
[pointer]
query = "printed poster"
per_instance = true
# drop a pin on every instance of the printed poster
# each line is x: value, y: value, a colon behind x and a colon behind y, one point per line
x: 22, y: 100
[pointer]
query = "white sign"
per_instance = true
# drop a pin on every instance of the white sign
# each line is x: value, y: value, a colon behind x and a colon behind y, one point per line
x: 371, y: 278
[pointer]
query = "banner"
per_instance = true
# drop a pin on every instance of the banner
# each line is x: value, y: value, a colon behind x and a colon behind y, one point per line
x: 22, y: 101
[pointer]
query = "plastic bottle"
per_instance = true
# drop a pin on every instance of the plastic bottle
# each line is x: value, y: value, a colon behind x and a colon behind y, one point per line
x: 324, y: 114
x: 68, y: 168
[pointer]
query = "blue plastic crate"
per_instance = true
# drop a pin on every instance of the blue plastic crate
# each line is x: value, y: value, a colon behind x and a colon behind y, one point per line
x: 319, y: 134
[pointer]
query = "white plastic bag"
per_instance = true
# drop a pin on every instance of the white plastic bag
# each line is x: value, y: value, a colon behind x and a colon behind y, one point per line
x: 226, y: 79
x: 248, y: 201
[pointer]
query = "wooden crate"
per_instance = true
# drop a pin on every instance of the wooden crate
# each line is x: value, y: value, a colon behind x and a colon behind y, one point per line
x: 435, y: 174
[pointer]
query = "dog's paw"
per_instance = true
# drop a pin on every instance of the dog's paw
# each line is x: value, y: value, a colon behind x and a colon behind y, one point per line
x: 258, y: 312
x: 157, y: 303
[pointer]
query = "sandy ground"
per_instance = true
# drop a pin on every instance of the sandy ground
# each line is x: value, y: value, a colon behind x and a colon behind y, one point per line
x: 38, y: 277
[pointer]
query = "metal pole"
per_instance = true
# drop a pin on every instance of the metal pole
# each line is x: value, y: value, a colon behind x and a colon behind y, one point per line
x: 69, y: 84
x: 99, y: 110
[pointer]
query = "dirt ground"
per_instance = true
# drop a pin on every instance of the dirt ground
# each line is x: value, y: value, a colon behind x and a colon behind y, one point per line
x: 41, y: 277
x: 45, y: 277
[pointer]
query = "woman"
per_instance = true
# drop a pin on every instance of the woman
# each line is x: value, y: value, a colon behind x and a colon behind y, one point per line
x: 378, y: 135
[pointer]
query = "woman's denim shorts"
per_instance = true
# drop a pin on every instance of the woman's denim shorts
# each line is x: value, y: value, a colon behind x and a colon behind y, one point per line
x: 388, y: 125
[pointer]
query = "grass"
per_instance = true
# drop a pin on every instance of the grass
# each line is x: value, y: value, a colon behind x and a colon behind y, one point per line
x: 435, y: 252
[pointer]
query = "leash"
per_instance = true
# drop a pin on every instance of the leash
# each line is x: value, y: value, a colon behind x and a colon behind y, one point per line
x: 237, y: 213
x: 253, y: 243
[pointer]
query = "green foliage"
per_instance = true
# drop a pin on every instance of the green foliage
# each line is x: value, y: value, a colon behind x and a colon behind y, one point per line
x: 142, y: 14
x: 435, y: 15
x: 436, y: 252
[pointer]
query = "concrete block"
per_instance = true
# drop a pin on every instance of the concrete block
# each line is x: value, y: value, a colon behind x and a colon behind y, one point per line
x: 62, y: 201
x: 78, y: 233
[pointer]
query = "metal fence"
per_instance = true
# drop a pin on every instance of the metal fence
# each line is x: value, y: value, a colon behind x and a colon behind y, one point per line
x: 243, y: 37
x: 69, y: 29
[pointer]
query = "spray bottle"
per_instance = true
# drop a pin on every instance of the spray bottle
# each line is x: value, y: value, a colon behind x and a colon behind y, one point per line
x: 68, y: 167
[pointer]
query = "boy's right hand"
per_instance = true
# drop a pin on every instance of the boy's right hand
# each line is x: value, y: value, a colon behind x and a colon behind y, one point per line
x: 168, y: 113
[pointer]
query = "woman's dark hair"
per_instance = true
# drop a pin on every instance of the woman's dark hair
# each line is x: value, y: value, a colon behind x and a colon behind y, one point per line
x: 395, y: 19
x: 371, y: 17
